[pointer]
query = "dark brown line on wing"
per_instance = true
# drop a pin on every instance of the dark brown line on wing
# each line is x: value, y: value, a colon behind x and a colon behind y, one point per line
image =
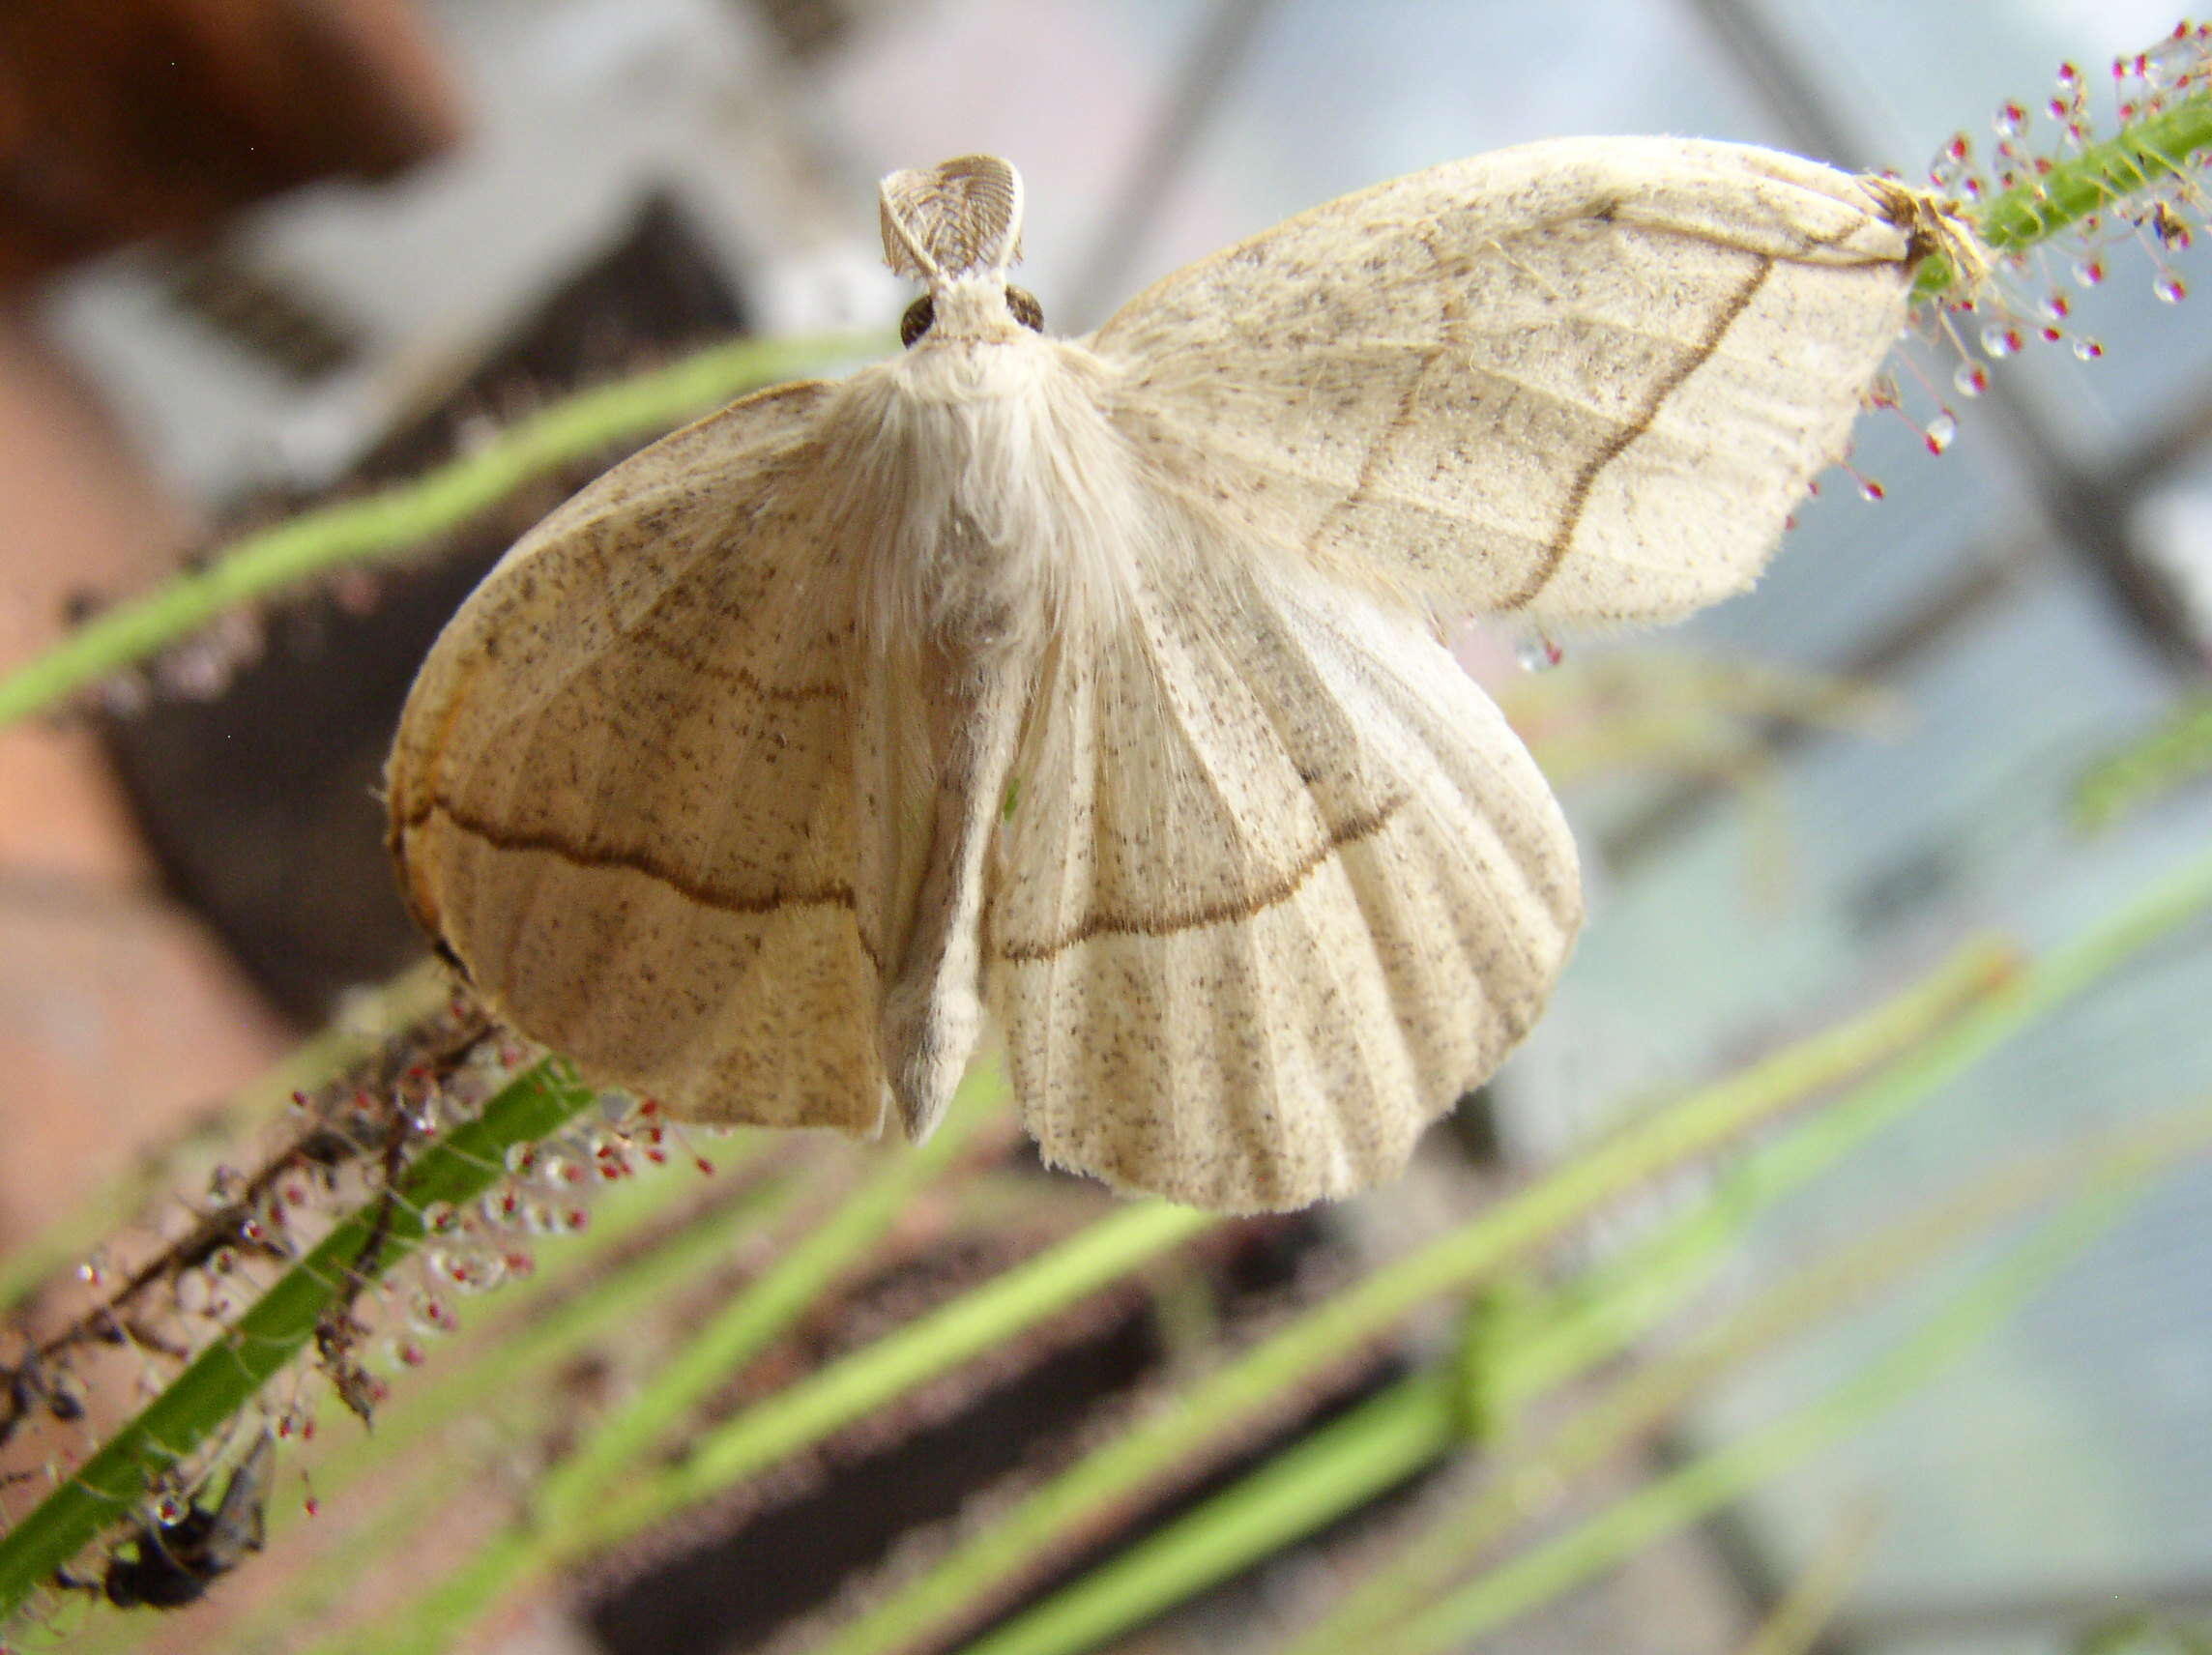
x: 691, y: 660
x: 1577, y: 495
x: 1402, y: 416
x: 1371, y: 463
x: 1285, y: 886
x: 598, y: 857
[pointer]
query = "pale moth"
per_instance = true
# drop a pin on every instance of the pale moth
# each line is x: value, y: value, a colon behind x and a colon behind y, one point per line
x: 1099, y: 681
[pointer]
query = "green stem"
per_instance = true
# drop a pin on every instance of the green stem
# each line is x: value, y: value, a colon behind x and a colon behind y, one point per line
x: 769, y: 1305
x: 791, y: 1420
x: 1674, y: 1501
x: 2179, y: 751
x: 408, y: 514
x: 1977, y: 991
x: 2143, y: 153
x: 1337, y: 1470
x: 806, y: 1412
x: 1412, y: 1424
x: 604, y: 1489
x: 267, y: 1337
x: 1650, y: 1395
x: 870, y: 1378
x: 537, y: 1329
x: 501, y: 1376
x: 1150, y: 1453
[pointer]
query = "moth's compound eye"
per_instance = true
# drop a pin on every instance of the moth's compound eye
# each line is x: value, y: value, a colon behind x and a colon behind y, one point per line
x: 922, y: 314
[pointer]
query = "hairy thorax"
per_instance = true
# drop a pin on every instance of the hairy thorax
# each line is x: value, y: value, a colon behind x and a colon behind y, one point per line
x: 990, y: 501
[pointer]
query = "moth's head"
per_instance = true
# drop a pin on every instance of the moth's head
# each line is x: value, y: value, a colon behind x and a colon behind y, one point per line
x: 958, y: 226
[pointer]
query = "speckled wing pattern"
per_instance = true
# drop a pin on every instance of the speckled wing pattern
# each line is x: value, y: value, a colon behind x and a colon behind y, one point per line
x: 1578, y: 381
x: 1278, y: 885
x: 1096, y: 680
x: 632, y: 787
x: 1281, y: 884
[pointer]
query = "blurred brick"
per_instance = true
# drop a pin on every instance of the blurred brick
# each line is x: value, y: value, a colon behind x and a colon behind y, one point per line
x: 117, y: 1016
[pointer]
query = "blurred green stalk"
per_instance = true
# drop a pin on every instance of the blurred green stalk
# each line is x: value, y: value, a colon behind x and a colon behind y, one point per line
x: 2142, y: 155
x: 1146, y: 1456
x: 1672, y: 1502
x: 619, y: 1499
x: 408, y: 514
x: 2178, y: 752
